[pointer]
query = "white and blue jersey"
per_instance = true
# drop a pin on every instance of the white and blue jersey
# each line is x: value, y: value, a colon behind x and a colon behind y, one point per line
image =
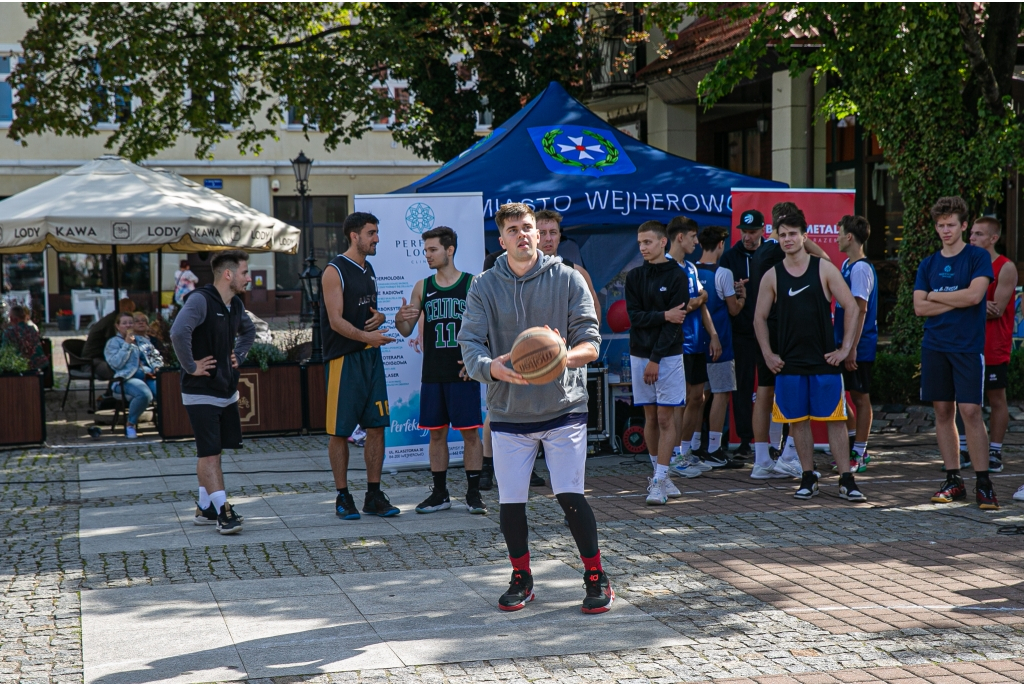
x: 862, y: 279
x: 718, y: 282
x: 692, y: 325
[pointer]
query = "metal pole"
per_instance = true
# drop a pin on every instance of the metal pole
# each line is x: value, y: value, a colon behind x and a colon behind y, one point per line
x: 116, y: 275
x: 317, y: 356
x: 159, y: 279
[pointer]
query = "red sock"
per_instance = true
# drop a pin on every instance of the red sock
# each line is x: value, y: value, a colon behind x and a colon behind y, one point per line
x: 521, y: 563
x: 592, y: 563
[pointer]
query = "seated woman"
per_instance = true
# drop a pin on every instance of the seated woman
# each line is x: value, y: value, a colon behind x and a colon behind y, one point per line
x: 24, y: 335
x: 127, y: 360
x: 147, y: 343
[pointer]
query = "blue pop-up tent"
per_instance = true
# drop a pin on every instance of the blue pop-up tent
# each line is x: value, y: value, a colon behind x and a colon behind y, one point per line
x: 557, y: 154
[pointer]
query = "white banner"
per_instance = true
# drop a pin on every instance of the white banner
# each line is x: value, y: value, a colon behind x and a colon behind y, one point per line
x: 399, y: 264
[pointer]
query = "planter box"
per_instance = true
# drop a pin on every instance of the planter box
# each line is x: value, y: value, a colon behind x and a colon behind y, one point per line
x: 22, y: 409
x: 316, y: 398
x: 65, y: 323
x: 269, y: 401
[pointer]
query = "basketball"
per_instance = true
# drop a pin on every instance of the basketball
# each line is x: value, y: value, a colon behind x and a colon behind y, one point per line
x: 538, y: 355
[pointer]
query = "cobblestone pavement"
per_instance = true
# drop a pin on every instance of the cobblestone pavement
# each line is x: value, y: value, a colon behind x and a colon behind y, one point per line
x: 760, y: 587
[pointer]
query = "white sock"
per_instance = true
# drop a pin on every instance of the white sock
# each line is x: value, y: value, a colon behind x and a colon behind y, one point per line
x: 775, y: 434
x: 219, y: 499
x: 853, y: 434
x: 860, y: 448
x: 996, y: 447
x: 714, y: 440
x: 789, y: 452
x: 695, y: 442
x: 661, y: 472
x: 761, y: 455
x: 654, y: 461
x: 963, y: 443
x: 204, y: 498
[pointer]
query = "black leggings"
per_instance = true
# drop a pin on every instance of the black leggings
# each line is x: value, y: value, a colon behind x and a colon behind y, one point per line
x: 577, y: 510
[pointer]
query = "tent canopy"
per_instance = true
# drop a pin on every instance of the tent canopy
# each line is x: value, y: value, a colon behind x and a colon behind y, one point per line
x: 111, y: 204
x: 557, y: 154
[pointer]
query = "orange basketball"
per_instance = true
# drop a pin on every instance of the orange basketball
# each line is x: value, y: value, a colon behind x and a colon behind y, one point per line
x: 538, y: 355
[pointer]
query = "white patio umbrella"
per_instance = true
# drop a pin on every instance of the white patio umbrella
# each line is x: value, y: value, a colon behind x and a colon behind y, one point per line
x: 112, y: 206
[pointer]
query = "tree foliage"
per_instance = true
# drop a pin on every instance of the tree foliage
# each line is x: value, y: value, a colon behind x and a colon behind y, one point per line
x: 214, y: 70
x: 931, y: 81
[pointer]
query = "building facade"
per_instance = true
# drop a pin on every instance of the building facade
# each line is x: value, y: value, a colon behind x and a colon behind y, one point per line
x: 373, y: 164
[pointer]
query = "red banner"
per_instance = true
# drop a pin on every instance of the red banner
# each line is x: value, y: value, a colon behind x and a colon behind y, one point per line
x: 821, y: 207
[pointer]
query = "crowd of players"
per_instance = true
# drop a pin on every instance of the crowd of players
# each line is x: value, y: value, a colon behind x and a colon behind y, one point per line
x: 754, y: 322
x: 765, y: 321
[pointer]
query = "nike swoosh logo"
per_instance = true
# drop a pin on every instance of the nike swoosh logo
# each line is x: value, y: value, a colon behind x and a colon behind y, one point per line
x: 432, y: 294
x: 797, y: 292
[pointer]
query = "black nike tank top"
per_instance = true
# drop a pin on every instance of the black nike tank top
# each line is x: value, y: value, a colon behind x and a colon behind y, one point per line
x: 442, y: 319
x: 805, y: 333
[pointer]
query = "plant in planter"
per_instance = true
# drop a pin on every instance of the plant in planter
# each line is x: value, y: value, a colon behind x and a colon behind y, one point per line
x: 22, y: 413
x: 265, y: 354
x: 65, y: 319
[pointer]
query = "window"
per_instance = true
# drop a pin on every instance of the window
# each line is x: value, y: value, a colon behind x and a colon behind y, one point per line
x: 739, y: 151
x: 78, y: 271
x: 327, y: 214
x: 6, y: 95
x: 25, y: 272
x: 397, y: 91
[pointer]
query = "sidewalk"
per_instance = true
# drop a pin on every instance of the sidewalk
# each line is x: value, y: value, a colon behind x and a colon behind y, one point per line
x: 109, y: 580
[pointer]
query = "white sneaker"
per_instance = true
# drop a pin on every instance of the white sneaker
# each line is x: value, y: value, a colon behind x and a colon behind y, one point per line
x: 671, y: 490
x: 765, y: 472
x: 1019, y: 495
x: 699, y: 463
x: 656, y: 491
x: 686, y: 469
x: 788, y: 468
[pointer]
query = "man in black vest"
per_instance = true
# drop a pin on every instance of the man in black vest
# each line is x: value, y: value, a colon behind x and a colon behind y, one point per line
x: 357, y: 391
x: 211, y: 336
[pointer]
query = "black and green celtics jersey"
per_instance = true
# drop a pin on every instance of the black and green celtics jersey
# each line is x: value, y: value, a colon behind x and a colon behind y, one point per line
x: 442, y: 319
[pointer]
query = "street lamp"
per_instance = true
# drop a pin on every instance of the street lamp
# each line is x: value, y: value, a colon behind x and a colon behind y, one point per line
x: 311, y: 274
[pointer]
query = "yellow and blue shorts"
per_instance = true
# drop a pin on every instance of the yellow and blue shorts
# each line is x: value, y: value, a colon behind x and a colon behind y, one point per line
x: 819, y: 397
x: 357, y: 392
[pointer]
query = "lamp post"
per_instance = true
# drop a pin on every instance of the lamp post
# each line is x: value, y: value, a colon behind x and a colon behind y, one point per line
x: 311, y: 274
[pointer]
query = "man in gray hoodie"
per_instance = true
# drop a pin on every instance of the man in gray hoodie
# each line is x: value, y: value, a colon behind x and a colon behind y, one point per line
x: 526, y: 288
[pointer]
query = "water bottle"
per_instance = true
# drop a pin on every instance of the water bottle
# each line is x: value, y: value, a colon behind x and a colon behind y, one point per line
x: 627, y: 373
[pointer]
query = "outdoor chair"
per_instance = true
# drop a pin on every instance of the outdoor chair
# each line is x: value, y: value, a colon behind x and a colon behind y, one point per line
x: 83, y: 303
x: 79, y: 369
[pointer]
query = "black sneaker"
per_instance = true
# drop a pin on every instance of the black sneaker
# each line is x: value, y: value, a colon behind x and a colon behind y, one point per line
x: 965, y: 460
x: 986, y: 496
x: 774, y: 452
x: 438, y: 501
x: 995, y: 461
x: 717, y: 459
x: 345, y: 507
x: 520, y: 591
x: 205, y: 517
x: 487, y: 477
x: 808, y: 486
x: 599, y: 592
x: 228, y: 522
x: 743, y: 450
x: 378, y: 504
x: 537, y: 481
x: 950, y: 491
x: 848, y: 489
x: 475, y: 503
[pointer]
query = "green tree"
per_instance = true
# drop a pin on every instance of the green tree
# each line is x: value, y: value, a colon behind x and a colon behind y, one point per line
x: 214, y: 70
x: 931, y: 81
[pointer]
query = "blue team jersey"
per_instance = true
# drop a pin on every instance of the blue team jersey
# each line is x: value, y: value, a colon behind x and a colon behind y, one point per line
x: 869, y: 333
x: 692, y: 325
x: 963, y: 329
x: 719, y: 312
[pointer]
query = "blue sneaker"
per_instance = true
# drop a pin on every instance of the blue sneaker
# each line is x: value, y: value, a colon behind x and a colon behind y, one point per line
x: 345, y: 507
x: 378, y: 504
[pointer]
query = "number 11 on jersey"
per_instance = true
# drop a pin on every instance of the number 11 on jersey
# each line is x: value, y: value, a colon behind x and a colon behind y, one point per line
x: 442, y: 340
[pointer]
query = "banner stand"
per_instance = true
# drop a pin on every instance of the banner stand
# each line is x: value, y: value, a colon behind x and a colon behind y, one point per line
x: 398, y: 265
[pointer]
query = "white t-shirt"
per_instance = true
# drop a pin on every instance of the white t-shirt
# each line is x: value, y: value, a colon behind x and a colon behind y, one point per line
x: 862, y: 279
x: 725, y: 283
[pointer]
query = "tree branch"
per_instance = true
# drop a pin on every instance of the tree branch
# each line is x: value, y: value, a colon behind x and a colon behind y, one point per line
x: 976, y: 58
x: 312, y: 38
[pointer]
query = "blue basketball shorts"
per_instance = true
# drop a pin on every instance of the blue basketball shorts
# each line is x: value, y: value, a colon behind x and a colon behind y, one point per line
x: 455, y: 404
x: 818, y: 397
